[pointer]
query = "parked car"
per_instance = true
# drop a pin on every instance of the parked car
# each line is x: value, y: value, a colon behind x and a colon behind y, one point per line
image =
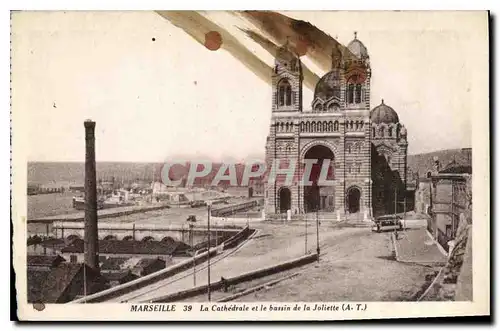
x: 387, y: 223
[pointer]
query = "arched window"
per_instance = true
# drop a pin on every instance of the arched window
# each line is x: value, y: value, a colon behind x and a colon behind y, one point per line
x: 373, y: 132
x: 350, y: 93
x: 318, y: 107
x: 313, y: 127
x: 330, y: 126
x: 382, y: 133
x: 358, y: 94
x: 325, y: 126
x: 336, y: 126
x: 284, y: 93
x: 390, y: 132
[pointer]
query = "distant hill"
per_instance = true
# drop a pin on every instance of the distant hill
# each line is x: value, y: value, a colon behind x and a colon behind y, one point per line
x: 422, y: 163
x: 66, y: 173
x: 59, y: 174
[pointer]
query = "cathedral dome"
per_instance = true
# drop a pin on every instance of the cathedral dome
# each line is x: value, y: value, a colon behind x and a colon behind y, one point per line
x: 328, y: 86
x: 357, y: 48
x: 383, y: 114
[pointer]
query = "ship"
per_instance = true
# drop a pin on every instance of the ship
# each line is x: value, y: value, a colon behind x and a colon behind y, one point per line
x: 117, y: 199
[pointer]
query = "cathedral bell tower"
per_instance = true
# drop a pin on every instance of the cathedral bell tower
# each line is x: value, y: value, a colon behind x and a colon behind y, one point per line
x: 282, y: 148
x: 287, y: 81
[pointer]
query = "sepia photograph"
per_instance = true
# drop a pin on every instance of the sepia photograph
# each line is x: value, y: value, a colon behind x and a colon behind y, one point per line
x: 236, y: 165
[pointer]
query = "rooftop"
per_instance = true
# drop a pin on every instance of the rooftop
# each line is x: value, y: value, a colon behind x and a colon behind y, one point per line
x: 45, y: 260
x: 131, y: 247
x: 146, y: 262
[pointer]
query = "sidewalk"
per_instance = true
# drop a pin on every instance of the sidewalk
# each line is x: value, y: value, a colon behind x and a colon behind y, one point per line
x: 415, y: 246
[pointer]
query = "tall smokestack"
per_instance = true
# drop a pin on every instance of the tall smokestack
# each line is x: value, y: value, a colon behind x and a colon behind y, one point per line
x: 91, y: 254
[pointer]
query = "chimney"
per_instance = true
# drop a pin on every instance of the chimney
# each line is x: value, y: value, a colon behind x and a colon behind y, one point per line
x: 437, y: 164
x: 90, y: 228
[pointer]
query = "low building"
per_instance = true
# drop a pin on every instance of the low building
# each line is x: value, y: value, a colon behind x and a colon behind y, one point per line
x: 450, y: 199
x: 44, y: 261
x: 50, y: 246
x: 147, y: 266
x: 126, y: 249
x: 112, y: 263
x: 64, y: 283
x: 119, y: 277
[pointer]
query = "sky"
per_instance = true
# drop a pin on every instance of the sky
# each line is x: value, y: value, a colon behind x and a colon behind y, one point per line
x: 156, y: 93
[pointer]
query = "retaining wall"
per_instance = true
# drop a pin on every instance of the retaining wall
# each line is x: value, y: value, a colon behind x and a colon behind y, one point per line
x: 239, y: 279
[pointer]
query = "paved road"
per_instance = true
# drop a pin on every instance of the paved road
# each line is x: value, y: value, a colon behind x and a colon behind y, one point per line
x: 354, y: 267
x: 271, y: 245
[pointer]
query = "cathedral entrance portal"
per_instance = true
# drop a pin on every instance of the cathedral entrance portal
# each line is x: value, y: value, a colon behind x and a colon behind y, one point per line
x: 353, y: 197
x: 285, y: 199
x: 317, y: 197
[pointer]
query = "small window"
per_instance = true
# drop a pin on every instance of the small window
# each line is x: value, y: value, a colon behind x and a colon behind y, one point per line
x: 358, y: 93
x: 288, y: 97
x: 281, y: 95
x: 73, y: 259
x: 284, y: 93
x: 350, y: 93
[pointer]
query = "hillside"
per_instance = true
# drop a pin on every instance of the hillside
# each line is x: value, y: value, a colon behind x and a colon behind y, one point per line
x: 422, y: 163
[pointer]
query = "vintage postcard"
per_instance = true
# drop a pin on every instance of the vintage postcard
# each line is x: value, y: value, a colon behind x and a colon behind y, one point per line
x: 250, y: 165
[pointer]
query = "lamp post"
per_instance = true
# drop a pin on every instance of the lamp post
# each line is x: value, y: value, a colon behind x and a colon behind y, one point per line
x: 209, y: 205
x: 317, y: 232
x: 429, y: 176
x: 305, y: 219
x: 191, y: 220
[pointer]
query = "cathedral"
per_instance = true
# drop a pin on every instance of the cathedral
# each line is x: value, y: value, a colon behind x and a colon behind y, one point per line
x: 366, y: 149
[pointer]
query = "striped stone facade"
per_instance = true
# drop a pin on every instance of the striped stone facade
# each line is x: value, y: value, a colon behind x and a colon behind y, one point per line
x: 339, y: 122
